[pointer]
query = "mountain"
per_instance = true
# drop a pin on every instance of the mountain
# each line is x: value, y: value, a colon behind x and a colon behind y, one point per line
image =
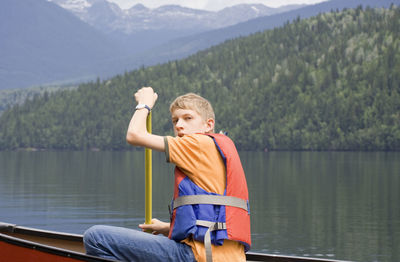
x: 154, y: 47
x: 182, y: 47
x: 329, y: 82
x: 159, y: 45
x: 42, y: 42
x: 108, y: 17
x: 140, y: 28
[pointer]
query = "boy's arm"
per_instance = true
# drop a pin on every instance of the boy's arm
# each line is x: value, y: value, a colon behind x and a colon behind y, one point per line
x: 137, y: 134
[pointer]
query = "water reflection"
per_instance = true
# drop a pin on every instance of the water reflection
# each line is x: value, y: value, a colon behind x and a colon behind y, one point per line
x: 342, y: 205
x: 330, y: 204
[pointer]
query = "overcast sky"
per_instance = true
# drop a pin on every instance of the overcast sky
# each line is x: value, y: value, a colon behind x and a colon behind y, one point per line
x: 213, y: 5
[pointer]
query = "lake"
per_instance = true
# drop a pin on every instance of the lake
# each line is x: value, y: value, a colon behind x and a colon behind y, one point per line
x: 341, y: 205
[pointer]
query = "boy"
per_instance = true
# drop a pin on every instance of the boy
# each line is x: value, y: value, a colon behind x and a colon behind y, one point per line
x: 210, y: 219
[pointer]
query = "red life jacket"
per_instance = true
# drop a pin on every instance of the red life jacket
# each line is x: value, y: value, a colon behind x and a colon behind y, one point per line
x: 210, y: 217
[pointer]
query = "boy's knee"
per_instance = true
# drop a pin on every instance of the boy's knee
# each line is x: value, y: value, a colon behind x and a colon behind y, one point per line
x: 92, y: 234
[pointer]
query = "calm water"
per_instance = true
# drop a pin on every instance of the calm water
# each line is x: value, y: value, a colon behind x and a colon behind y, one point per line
x: 342, y: 205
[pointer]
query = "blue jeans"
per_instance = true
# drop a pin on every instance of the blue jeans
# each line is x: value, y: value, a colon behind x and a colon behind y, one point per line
x: 133, y: 245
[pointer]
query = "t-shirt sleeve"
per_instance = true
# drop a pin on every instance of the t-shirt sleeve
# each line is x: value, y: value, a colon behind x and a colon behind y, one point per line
x: 198, y: 158
x: 184, y: 152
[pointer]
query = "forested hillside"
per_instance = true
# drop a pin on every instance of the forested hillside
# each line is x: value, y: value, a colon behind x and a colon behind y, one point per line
x: 10, y: 97
x: 331, y: 82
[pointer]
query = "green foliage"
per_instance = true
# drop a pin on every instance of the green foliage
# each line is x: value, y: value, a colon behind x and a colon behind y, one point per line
x: 11, y: 97
x: 331, y: 82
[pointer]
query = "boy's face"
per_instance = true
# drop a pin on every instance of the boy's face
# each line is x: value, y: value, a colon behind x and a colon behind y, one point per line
x: 188, y: 121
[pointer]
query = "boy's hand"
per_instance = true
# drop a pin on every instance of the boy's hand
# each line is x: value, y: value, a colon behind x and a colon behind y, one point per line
x: 156, y: 227
x: 147, y: 96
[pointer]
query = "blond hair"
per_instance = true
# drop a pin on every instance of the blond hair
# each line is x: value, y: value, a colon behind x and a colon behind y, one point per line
x: 194, y: 102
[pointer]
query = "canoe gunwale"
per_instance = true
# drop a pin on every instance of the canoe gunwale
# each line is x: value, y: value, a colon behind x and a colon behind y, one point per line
x: 254, y: 256
x: 7, y: 227
x: 7, y: 231
x: 39, y: 232
x: 10, y: 228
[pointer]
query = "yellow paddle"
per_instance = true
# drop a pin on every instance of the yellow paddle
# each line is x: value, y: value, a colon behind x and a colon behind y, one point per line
x: 148, y: 178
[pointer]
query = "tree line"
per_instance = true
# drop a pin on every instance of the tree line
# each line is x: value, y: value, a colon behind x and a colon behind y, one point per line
x: 330, y: 82
x: 10, y: 97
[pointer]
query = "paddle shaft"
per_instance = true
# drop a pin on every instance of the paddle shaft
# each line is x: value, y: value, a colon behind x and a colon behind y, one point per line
x: 148, y: 176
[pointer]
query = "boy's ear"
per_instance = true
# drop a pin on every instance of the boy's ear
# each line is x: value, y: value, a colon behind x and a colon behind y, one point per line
x: 210, y: 125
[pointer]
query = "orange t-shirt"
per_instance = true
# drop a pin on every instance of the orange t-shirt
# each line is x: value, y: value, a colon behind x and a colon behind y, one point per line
x: 198, y: 157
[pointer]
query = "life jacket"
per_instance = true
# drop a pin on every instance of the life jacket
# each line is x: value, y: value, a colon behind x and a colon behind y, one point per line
x: 209, y: 217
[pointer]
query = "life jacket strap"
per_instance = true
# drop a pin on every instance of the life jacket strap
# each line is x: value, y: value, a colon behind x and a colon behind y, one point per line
x: 207, y: 237
x: 210, y: 199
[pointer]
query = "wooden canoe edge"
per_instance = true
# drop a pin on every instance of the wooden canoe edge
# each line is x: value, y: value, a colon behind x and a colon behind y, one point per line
x: 7, y: 231
x: 7, y: 241
x: 254, y: 256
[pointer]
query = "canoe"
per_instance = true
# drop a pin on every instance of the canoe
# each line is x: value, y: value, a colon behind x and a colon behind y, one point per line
x: 24, y: 244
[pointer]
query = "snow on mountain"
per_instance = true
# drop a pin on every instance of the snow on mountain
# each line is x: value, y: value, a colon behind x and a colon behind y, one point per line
x: 110, y: 18
x: 76, y: 6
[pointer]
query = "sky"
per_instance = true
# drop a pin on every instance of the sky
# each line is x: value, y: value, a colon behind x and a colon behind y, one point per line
x: 211, y: 5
